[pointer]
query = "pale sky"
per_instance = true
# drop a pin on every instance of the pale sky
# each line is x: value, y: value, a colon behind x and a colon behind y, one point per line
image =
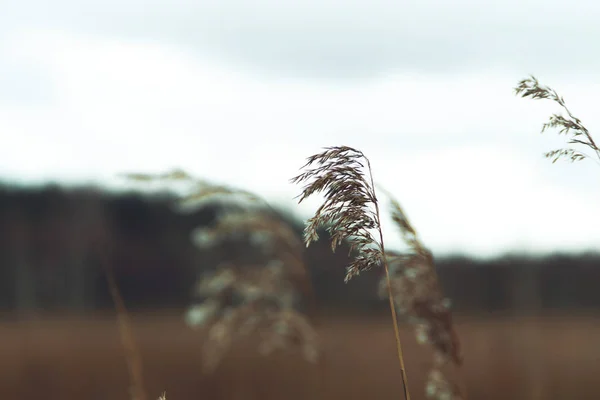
x: 242, y: 92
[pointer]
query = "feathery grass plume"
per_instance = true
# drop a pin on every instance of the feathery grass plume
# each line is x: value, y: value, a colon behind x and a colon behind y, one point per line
x: 198, y: 190
x: 243, y: 295
x: 262, y: 292
x: 418, y: 296
x: 569, y: 125
x: 260, y: 281
x: 239, y: 305
x: 350, y: 213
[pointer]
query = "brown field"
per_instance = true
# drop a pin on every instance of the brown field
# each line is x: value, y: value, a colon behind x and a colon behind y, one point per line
x: 505, y: 358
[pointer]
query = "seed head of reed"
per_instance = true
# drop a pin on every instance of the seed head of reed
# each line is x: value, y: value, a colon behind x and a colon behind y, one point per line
x: 419, y: 298
x: 245, y: 294
x: 350, y: 211
x: 350, y: 214
x: 260, y: 280
x: 418, y: 293
x: 241, y: 299
x: 568, y: 125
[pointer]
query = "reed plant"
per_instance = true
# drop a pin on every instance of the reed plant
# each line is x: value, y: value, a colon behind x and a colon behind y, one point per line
x: 351, y: 213
x: 260, y: 282
x: 568, y: 124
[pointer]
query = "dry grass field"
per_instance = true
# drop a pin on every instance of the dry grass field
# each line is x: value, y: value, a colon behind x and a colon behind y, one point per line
x: 505, y: 358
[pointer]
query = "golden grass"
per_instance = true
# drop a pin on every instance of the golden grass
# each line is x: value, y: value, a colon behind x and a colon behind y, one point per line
x: 506, y: 358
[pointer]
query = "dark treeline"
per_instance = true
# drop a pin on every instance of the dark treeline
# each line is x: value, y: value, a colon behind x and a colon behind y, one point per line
x: 55, y: 242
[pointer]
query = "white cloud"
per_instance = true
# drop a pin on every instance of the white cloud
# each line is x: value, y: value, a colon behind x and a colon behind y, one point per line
x: 461, y: 152
x: 335, y: 39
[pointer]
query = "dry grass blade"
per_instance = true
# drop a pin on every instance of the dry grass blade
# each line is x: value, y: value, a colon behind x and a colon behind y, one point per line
x: 132, y: 352
x: 569, y: 125
x: 133, y: 355
x: 350, y: 213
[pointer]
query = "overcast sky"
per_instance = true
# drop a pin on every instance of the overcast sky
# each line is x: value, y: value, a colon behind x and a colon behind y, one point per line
x: 242, y: 92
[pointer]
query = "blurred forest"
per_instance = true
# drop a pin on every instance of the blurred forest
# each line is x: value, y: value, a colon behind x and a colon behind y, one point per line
x: 55, y: 242
x: 521, y: 320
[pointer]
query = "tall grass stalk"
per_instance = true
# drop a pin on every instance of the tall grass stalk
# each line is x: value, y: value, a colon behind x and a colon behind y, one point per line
x: 350, y: 213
